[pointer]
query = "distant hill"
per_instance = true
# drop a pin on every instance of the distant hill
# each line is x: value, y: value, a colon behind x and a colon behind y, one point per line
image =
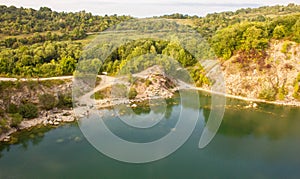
x: 16, y: 21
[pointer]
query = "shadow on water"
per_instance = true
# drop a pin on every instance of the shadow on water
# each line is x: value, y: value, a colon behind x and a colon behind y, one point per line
x: 27, y: 138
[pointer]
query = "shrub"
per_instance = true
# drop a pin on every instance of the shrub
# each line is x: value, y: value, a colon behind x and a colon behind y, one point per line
x: 16, y: 119
x: 2, y: 112
x: 98, y: 95
x: 282, y: 92
x: 28, y: 110
x: 12, y: 108
x: 132, y: 93
x: 296, y: 87
x: 64, y: 100
x: 47, y: 101
x: 268, y: 94
x: 285, y: 47
x: 148, y: 82
x: 3, y: 125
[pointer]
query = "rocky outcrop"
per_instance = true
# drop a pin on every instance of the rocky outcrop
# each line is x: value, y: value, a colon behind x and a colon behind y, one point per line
x: 53, y: 117
x: 275, y: 74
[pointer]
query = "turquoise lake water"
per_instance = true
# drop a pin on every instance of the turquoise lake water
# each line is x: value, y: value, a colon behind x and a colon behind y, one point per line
x: 251, y: 143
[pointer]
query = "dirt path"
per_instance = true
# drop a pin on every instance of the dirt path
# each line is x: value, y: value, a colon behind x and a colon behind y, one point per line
x: 36, y: 79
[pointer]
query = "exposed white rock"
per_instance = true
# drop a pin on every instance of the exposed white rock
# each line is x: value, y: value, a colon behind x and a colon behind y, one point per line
x: 255, y: 105
x: 134, y: 106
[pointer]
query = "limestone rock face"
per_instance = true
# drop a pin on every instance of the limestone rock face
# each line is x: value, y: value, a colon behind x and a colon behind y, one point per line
x: 278, y: 70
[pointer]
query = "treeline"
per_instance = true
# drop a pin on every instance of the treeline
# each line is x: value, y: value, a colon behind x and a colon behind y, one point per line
x: 13, y: 42
x: 141, y: 54
x: 209, y: 24
x: 40, y: 60
x: 178, y: 16
x: 247, y: 31
x: 255, y: 36
x: 15, y: 21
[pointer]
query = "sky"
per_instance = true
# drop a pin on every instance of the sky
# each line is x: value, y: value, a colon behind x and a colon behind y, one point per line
x: 146, y: 8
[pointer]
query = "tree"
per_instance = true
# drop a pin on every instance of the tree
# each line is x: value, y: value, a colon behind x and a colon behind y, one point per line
x: 68, y: 65
x: 47, y: 101
x: 254, y: 38
x: 296, y: 31
x: 16, y: 120
x: 28, y: 110
x: 64, y: 100
x: 132, y: 93
x: 12, y: 108
x: 279, y: 32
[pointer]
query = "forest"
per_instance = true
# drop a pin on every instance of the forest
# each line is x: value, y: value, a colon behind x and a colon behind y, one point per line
x: 45, y: 43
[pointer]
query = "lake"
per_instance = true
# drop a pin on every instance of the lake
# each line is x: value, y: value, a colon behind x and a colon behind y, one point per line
x: 251, y: 143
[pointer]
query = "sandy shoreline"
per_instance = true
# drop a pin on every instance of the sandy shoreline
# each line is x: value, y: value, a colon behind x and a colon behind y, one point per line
x: 282, y: 103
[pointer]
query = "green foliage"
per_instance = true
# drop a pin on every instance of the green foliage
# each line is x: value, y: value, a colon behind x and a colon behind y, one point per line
x: 198, y: 76
x: 254, y: 37
x: 208, y: 25
x: 296, y: 93
x: 16, y: 21
x: 47, y: 101
x: 98, y: 95
x: 248, y: 36
x: 244, y: 36
x: 3, y: 125
x: 12, y: 108
x: 296, y: 30
x: 175, y: 51
x: 40, y: 60
x: 279, y: 32
x: 28, y: 110
x: 141, y: 54
x: 285, y: 47
x: 282, y: 92
x: 16, y: 119
x: 132, y: 93
x: 2, y: 112
x: 268, y: 93
x: 148, y: 82
x: 65, y: 100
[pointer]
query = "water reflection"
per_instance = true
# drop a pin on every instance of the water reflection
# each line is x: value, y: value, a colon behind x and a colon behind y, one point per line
x: 273, y: 122
x: 252, y: 143
x: 25, y: 138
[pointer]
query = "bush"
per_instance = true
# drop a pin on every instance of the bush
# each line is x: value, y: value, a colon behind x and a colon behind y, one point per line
x: 2, y: 112
x: 282, y: 92
x: 12, y: 108
x: 98, y: 95
x: 28, y: 110
x: 3, y: 125
x: 268, y: 94
x: 286, y: 47
x: 64, y: 100
x: 296, y: 87
x: 47, y: 101
x: 148, y: 82
x: 132, y: 93
x: 16, y: 120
